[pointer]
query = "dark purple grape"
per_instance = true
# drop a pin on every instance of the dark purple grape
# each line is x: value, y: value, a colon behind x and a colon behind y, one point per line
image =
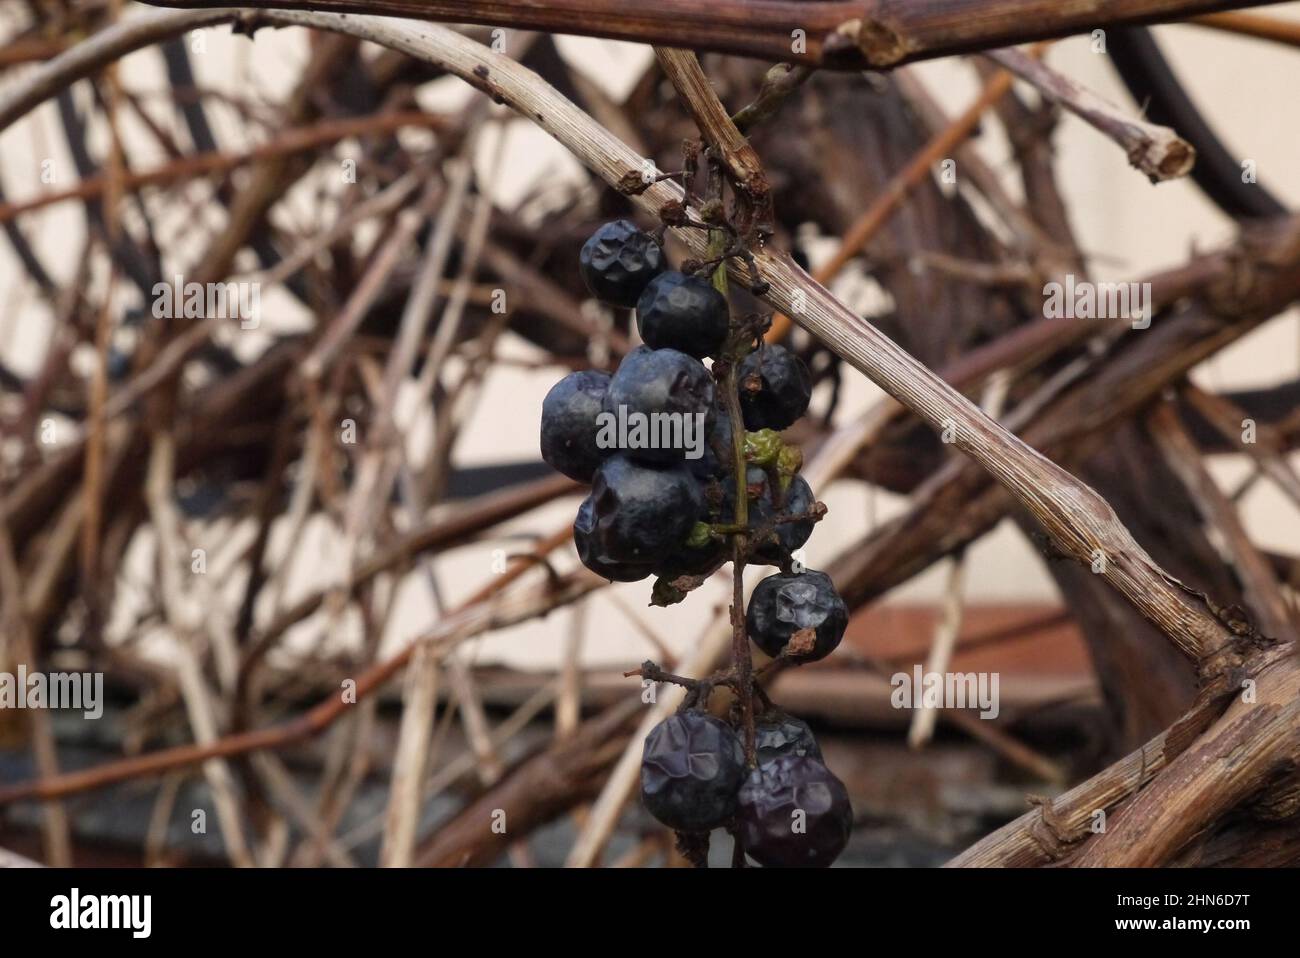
x: 784, y: 735
x: 793, y: 812
x: 691, y: 767
x: 719, y: 457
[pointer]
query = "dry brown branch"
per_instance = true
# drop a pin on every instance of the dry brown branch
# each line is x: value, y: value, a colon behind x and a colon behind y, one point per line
x: 1056, y: 826
x: 455, y: 628
x: 1255, y: 738
x: 1032, y: 241
x: 103, y: 48
x: 187, y: 167
x: 420, y: 699
x: 533, y: 793
x: 182, y: 621
x: 1261, y: 588
x: 1252, y: 25
x: 1267, y: 446
x: 842, y: 34
x: 1157, y: 151
x: 18, y: 647
x: 746, y: 170
x: 945, y: 513
x: 889, y: 200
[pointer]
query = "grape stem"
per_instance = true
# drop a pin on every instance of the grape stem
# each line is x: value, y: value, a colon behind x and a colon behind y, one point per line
x: 740, y: 657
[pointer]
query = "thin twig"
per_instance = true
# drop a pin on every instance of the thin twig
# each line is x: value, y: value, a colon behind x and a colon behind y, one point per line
x: 1156, y: 150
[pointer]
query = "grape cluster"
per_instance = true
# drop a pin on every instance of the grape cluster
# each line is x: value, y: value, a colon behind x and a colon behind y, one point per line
x: 673, y: 511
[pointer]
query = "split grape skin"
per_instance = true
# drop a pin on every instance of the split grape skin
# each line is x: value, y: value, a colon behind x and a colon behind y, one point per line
x: 784, y: 605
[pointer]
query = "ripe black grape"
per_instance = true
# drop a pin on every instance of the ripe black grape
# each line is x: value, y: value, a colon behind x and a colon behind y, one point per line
x: 591, y: 551
x: 639, y: 513
x: 664, y: 502
x: 785, y: 387
x: 569, y: 428
x: 682, y: 312
x: 652, y: 382
x: 790, y: 536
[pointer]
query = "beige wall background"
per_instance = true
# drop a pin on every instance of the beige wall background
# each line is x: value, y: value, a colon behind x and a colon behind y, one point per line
x: 1249, y: 88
